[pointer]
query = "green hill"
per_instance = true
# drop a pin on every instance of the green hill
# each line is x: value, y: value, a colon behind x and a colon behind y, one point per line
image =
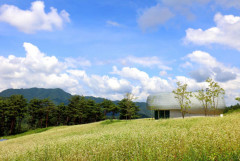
x: 58, y: 96
x: 200, y: 138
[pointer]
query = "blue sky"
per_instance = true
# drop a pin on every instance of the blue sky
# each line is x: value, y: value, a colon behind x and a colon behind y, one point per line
x: 107, y: 48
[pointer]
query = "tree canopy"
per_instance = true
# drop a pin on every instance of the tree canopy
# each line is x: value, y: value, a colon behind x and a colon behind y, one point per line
x: 183, y: 97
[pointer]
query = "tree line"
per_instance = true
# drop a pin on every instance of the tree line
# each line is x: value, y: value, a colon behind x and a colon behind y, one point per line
x: 18, y: 115
x: 233, y: 107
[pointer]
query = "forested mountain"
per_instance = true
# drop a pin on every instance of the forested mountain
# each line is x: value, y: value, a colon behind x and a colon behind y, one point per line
x: 58, y: 96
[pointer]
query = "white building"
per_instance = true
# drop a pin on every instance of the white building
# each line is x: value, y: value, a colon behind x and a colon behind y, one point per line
x: 165, y: 105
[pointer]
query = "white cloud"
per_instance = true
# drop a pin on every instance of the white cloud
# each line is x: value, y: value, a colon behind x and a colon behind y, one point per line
x: 113, y: 23
x: 154, y: 16
x: 77, y: 62
x: 145, y: 61
x: 203, y: 58
x: 163, y: 73
x: 226, y: 32
x: 35, y: 19
x: 210, y: 67
x: 132, y: 73
x: 143, y: 85
x: 186, y: 65
x: 103, y: 85
x: 205, y: 66
x: 35, y: 70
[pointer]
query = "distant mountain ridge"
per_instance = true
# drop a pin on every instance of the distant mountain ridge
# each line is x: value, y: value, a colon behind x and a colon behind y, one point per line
x: 58, y: 96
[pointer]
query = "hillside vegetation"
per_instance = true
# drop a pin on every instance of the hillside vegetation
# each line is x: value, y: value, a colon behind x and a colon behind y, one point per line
x: 58, y: 96
x: 202, y: 138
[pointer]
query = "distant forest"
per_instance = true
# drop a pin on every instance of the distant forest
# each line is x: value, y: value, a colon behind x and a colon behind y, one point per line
x: 19, y: 115
x: 58, y: 96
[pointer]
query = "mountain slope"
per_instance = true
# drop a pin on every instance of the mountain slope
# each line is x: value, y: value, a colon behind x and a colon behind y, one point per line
x: 58, y: 96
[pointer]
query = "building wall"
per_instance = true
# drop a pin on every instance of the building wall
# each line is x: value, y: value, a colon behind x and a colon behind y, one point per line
x: 167, y: 101
x: 178, y: 113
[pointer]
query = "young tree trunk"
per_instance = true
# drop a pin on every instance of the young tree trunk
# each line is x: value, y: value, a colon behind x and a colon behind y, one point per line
x: 12, y: 126
x: 47, y: 120
x: 105, y: 114
x: 41, y: 123
x: 2, y: 125
x: 113, y: 115
x: 183, y: 114
x: 19, y: 124
x: 67, y: 120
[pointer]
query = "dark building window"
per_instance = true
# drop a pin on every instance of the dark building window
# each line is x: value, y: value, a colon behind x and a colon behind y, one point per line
x: 161, y: 114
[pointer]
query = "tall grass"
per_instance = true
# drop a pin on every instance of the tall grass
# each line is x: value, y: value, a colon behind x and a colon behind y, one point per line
x: 203, y: 138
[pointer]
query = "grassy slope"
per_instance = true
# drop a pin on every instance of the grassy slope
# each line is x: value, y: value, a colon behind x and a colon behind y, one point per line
x: 210, y: 138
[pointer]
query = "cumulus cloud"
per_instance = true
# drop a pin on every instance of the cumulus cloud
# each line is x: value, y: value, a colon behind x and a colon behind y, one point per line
x: 102, y: 86
x: 145, y: 61
x: 200, y: 75
x: 226, y: 32
x: 36, y: 69
x: 35, y: 19
x: 154, y: 16
x: 224, y: 76
x: 143, y: 84
x: 210, y: 67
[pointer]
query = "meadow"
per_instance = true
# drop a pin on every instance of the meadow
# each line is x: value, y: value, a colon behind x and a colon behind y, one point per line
x: 200, y: 138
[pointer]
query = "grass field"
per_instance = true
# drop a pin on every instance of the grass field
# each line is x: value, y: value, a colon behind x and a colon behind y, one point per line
x: 202, y: 138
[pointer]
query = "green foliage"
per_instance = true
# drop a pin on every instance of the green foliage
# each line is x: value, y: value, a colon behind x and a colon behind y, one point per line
x: 210, y: 96
x: 109, y: 107
x: 18, y: 115
x: 231, y: 109
x: 12, y: 111
x: 214, y: 92
x: 128, y: 109
x: 59, y: 96
x: 237, y: 99
x: 204, y: 98
x: 183, y: 97
x: 40, y: 113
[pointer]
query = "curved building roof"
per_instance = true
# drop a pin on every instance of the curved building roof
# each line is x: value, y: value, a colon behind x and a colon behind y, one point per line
x: 167, y: 101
